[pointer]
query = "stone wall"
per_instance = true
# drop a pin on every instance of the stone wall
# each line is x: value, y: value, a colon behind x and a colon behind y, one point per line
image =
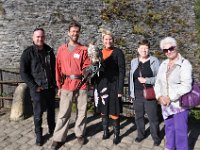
x: 128, y: 19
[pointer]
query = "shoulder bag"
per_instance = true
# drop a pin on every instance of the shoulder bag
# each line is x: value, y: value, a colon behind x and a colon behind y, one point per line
x: 192, y: 98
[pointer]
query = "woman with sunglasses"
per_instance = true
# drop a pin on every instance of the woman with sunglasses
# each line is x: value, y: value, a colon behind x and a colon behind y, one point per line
x: 174, y: 79
x: 143, y: 72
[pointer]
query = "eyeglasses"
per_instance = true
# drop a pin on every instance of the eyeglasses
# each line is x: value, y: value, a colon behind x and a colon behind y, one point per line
x: 169, y: 49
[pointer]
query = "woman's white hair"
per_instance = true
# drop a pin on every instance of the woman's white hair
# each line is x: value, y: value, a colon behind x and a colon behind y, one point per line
x: 168, y: 40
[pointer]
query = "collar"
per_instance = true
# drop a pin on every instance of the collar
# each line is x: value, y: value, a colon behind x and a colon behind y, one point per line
x: 178, y: 62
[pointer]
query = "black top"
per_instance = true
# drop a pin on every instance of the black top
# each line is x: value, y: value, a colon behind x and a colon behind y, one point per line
x: 145, y: 71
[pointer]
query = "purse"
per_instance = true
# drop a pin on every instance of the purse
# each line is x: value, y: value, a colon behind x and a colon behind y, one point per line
x: 192, y: 98
x: 149, y: 93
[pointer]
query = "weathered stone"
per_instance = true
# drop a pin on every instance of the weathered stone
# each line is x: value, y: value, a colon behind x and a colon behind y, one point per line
x: 18, y: 103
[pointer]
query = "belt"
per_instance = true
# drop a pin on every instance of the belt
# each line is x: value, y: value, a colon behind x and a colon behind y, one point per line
x: 73, y: 76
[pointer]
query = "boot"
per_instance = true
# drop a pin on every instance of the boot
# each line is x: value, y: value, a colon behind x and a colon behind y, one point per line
x: 105, y: 121
x: 116, y: 130
x: 39, y: 139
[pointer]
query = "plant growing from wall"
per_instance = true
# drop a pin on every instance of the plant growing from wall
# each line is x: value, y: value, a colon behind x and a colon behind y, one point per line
x: 197, y: 14
x: 2, y: 10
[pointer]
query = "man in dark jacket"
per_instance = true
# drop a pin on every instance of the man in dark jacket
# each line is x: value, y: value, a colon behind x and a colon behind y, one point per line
x: 37, y: 69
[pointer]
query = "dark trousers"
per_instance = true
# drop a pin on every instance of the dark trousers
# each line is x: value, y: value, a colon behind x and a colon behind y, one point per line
x: 43, y: 101
x: 151, y: 108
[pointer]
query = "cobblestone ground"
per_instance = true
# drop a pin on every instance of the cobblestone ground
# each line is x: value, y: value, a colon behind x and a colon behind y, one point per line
x: 19, y: 135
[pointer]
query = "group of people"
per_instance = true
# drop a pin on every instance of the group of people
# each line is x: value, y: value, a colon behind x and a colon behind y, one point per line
x: 43, y: 73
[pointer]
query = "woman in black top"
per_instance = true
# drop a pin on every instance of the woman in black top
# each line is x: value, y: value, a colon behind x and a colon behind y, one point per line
x: 143, y: 72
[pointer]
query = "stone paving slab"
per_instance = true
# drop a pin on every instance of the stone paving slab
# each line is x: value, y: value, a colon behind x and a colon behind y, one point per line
x: 20, y: 135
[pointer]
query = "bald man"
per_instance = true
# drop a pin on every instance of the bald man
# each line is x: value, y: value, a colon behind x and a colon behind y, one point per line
x: 37, y: 70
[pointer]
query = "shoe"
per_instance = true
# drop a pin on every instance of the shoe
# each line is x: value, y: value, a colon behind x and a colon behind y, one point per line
x: 81, y: 140
x: 106, y: 134
x: 38, y: 143
x: 39, y: 140
x: 156, y: 143
x: 51, y: 133
x: 138, y: 140
x: 54, y: 145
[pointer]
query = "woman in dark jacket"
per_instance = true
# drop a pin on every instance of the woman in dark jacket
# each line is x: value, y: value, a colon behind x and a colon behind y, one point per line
x: 110, y: 85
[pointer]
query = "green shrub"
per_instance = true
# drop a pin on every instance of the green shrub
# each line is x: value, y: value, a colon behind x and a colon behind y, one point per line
x: 195, y: 115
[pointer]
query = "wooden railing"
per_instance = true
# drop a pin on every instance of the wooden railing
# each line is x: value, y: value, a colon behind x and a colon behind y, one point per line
x: 10, y: 83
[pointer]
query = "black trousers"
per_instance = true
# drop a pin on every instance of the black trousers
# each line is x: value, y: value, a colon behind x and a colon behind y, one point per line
x: 141, y: 107
x: 43, y: 101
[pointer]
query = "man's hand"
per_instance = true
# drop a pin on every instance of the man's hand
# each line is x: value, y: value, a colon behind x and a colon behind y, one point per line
x: 39, y: 89
x: 59, y: 92
x: 119, y: 95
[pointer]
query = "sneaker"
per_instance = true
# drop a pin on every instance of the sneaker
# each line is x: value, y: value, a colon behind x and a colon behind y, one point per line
x: 138, y: 140
x: 81, y: 140
x: 54, y: 145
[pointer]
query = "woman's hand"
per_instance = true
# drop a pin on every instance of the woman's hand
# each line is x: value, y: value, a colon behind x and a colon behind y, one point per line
x: 130, y: 99
x: 164, y: 100
x: 141, y: 80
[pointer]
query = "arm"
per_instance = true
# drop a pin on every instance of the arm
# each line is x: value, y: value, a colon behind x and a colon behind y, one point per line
x: 163, y: 100
x: 86, y: 61
x: 155, y: 67
x: 157, y: 86
x: 52, y: 65
x: 58, y: 70
x: 25, y: 70
x: 121, y: 66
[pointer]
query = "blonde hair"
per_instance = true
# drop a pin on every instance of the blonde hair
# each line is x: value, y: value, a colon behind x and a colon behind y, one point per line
x: 106, y: 32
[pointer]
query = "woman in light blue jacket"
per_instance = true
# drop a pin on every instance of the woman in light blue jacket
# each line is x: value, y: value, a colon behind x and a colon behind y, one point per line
x: 174, y: 79
x: 143, y: 72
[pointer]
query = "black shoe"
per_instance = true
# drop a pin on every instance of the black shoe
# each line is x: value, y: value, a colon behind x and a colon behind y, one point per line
x: 51, y: 132
x: 156, y: 143
x: 116, y: 139
x: 106, y: 134
x: 138, y: 140
x: 54, y: 145
x: 39, y: 142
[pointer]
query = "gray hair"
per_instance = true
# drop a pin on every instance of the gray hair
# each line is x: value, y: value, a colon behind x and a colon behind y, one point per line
x: 168, y: 40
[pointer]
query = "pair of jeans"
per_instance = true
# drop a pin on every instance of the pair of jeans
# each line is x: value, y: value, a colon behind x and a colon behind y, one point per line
x: 43, y: 101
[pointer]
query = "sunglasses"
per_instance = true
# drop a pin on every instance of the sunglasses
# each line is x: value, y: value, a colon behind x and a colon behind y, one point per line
x: 169, y: 49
